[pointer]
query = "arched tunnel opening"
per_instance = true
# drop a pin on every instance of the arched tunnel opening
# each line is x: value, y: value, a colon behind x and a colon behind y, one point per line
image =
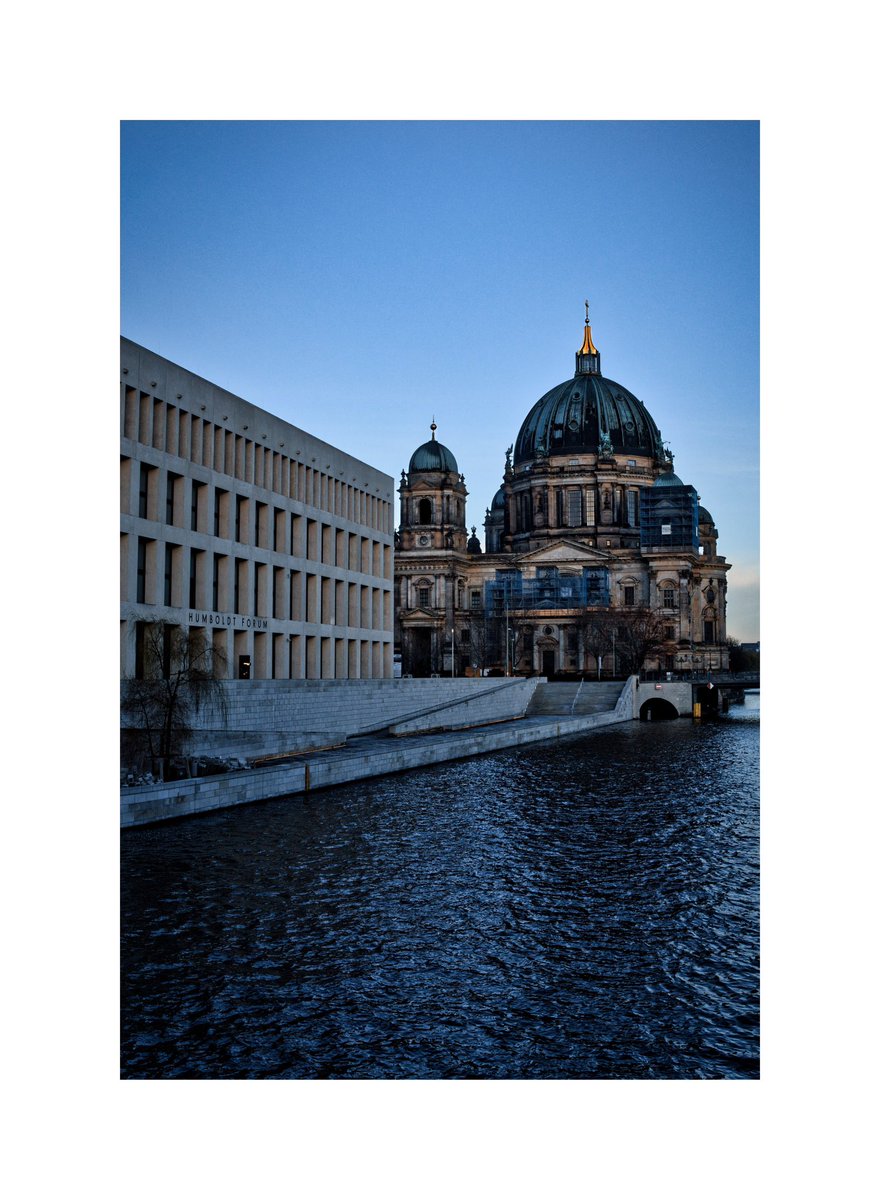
x: 658, y: 710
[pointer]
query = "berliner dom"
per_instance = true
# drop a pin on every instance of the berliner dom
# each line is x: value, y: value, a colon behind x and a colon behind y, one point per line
x: 597, y: 559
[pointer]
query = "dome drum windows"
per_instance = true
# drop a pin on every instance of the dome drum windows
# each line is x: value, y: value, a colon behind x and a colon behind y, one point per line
x: 632, y: 508
x: 575, y: 507
x: 426, y: 512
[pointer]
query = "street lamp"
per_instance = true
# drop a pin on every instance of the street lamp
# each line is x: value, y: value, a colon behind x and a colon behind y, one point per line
x: 613, y: 654
x: 506, y: 636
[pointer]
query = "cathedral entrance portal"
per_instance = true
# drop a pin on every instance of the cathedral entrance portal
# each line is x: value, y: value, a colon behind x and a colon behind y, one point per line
x: 548, y: 662
x: 420, y: 653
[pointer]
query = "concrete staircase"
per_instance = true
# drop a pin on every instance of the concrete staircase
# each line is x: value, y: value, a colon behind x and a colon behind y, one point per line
x: 574, y: 699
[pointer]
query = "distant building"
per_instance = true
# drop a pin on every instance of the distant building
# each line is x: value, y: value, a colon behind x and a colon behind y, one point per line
x: 277, y: 546
x: 591, y: 544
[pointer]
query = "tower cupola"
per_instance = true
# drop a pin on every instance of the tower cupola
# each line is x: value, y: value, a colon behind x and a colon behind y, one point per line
x: 586, y: 360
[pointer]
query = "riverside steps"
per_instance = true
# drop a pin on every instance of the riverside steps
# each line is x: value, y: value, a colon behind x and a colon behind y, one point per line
x: 475, y: 717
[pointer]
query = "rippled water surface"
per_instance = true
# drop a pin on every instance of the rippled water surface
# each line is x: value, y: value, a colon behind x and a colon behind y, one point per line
x: 579, y: 910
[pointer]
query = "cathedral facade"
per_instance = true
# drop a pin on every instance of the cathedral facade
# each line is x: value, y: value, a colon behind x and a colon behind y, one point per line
x: 598, y: 560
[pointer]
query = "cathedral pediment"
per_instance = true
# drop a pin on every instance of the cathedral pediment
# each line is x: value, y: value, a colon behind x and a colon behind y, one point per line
x: 565, y: 551
x: 420, y: 616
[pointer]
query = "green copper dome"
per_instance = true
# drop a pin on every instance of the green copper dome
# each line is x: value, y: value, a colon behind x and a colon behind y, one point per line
x: 573, y: 417
x: 588, y: 414
x: 433, y: 456
x: 668, y: 479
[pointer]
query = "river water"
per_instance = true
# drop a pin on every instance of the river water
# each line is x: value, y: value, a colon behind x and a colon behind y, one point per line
x: 585, y: 909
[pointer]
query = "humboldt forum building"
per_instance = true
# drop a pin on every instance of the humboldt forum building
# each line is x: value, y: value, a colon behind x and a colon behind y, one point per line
x: 273, y: 544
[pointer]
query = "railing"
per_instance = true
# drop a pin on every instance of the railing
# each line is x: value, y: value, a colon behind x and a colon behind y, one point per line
x: 742, y: 678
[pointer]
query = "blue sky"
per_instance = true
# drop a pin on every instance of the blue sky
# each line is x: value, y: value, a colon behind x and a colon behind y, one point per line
x: 360, y: 278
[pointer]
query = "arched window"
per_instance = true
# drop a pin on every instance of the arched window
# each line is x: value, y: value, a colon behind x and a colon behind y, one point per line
x: 667, y: 595
x: 425, y: 512
x: 709, y: 625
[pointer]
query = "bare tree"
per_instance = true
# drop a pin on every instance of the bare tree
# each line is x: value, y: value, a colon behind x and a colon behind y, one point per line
x: 640, y: 632
x: 596, y: 629
x: 625, y: 637
x: 476, y: 649
x: 179, y: 678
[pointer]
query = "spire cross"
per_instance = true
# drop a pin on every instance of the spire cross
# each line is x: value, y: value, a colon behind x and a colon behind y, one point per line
x: 587, y: 307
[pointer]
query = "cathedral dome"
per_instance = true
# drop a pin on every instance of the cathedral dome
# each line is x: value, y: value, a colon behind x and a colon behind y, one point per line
x: 585, y: 414
x: 433, y: 456
x: 668, y: 479
x: 498, y: 501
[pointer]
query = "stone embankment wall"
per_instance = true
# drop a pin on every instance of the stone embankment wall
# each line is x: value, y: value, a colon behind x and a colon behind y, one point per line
x: 369, y: 758
x: 278, y: 716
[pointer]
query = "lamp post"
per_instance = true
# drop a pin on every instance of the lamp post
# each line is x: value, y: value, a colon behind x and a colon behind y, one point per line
x: 506, y: 635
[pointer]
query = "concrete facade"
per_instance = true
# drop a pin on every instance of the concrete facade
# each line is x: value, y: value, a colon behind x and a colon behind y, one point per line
x: 276, y: 545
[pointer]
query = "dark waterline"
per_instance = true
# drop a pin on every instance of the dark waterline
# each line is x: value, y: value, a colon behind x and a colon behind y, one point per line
x: 578, y: 910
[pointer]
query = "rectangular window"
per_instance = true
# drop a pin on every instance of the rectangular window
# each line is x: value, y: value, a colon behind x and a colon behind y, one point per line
x: 476, y: 599
x: 632, y: 512
x: 144, y: 494
x: 311, y: 597
x: 589, y: 507
x: 668, y: 597
x: 575, y: 508
x: 295, y: 596
x: 262, y: 519
x: 193, y: 577
x: 326, y: 594
x: 629, y: 596
x: 170, y: 495
x: 239, y: 583
x: 278, y: 574
x: 194, y: 505
x: 169, y: 574
x: 142, y: 571
x: 709, y: 631
x: 215, y: 583
x: 219, y: 496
